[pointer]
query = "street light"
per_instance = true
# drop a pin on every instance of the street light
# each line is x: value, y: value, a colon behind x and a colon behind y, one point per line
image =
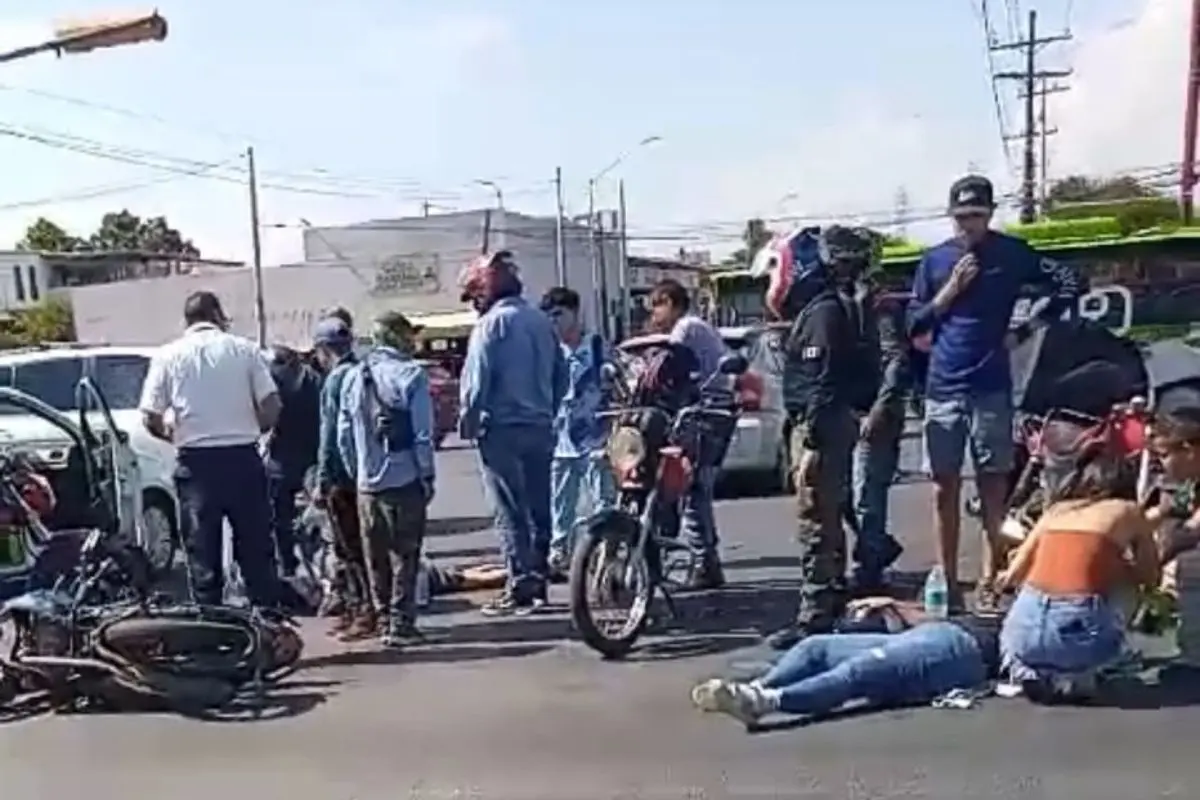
x: 495, y: 188
x: 96, y: 34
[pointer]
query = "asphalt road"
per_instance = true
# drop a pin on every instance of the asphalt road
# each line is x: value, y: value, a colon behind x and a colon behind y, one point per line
x: 516, y: 709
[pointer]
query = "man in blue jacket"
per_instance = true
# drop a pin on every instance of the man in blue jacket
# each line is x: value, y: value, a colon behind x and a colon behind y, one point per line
x: 580, y: 430
x: 964, y: 291
x: 385, y: 437
x: 333, y: 342
x: 513, y: 382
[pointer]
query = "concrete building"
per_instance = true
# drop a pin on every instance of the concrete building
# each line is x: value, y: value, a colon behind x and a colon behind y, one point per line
x: 411, y: 265
x: 26, y: 276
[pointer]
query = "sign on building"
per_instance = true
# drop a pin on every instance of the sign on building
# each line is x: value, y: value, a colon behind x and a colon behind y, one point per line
x: 408, y: 275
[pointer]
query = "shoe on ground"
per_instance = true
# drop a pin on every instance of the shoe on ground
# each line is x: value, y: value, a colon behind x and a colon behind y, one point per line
x: 365, y: 626
x: 744, y: 702
x: 706, y: 576
x: 510, y: 604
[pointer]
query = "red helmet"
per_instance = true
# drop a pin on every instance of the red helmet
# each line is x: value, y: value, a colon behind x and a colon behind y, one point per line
x: 482, y: 276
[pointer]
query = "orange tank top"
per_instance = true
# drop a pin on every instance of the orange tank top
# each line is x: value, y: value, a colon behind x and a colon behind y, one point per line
x: 1076, y: 562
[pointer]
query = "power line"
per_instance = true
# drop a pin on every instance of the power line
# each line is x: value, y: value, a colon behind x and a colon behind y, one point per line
x: 317, y: 175
x: 1030, y: 76
x: 989, y: 38
x: 97, y: 192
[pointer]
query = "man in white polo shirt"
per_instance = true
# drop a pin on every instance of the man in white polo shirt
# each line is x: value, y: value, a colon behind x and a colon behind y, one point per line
x: 221, y: 398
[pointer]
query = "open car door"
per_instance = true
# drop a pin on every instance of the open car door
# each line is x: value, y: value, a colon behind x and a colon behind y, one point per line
x: 118, y: 477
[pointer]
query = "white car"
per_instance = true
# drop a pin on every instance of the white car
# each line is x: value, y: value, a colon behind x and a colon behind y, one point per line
x: 52, y: 375
x: 758, y: 447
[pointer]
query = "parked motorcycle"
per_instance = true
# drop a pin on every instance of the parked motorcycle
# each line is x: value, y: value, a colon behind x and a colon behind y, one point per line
x: 1070, y: 367
x: 99, y: 637
x: 1054, y: 443
x: 619, y: 556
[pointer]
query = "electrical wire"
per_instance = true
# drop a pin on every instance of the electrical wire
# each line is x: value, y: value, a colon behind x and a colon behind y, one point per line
x: 989, y: 41
x: 100, y: 191
x: 315, y: 175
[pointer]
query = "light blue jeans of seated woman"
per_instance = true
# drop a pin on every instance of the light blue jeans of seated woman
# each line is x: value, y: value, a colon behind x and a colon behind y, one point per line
x: 822, y: 673
x: 1047, y: 637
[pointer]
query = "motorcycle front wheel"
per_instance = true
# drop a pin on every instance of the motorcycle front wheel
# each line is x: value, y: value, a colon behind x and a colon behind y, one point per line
x: 608, y: 568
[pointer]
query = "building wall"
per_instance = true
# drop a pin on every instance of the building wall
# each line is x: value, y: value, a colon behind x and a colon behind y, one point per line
x: 383, y: 266
x: 422, y: 256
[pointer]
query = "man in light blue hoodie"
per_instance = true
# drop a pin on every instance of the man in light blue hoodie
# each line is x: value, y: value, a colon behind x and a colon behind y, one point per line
x: 580, y: 431
x: 385, y: 436
x: 513, y: 382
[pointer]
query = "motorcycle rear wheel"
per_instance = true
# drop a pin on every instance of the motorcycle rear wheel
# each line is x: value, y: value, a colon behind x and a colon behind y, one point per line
x: 593, y: 545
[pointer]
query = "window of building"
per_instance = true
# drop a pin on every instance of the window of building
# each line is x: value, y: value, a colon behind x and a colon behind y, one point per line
x: 35, y: 291
x: 19, y: 280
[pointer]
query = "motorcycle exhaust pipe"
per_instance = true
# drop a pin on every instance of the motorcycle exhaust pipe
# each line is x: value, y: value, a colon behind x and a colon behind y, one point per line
x: 68, y: 662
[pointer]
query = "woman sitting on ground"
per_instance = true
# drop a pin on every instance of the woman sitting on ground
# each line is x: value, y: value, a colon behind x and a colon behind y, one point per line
x: 907, y: 659
x: 1092, y: 544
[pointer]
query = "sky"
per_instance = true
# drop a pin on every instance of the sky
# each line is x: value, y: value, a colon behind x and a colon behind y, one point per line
x: 365, y: 109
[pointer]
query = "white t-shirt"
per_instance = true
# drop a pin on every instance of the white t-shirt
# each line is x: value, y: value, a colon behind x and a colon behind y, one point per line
x: 212, y: 383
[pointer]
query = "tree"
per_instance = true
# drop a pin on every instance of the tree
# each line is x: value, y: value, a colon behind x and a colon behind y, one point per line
x: 49, y: 237
x: 1135, y: 206
x: 123, y: 230
x: 755, y: 236
x: 51, y: 320
x: 120, y: 230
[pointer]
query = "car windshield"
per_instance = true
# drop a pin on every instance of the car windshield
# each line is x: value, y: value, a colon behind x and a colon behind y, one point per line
x: 54, y: 380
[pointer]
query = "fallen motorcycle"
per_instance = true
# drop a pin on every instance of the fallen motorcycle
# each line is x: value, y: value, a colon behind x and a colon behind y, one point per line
x: 98, y: 638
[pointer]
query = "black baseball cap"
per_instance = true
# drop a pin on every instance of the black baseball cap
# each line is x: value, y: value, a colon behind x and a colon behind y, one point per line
x: 972, y: 194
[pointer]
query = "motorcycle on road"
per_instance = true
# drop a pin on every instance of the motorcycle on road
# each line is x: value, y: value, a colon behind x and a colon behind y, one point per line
x: 619, y: 556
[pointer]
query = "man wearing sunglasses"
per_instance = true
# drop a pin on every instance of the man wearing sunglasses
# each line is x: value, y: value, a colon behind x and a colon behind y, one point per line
x: 964, y: 291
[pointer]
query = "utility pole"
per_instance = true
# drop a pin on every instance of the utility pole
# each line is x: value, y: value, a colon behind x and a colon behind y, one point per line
x: 1187, y: 177
x: 594, y: 255
x: 260, y: 310
x: 1044, y: 133
x: 486, y: 239
x: 560, y: 242
x: 623, y: 274
x: 601, y: 288
x: 1030, y: 77
x: 901, y: 220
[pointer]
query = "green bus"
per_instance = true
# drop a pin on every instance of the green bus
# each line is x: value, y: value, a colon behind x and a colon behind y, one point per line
x: 1158, y: 269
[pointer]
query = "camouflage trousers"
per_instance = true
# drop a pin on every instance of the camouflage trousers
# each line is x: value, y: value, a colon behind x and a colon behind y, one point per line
x: 821, y: 500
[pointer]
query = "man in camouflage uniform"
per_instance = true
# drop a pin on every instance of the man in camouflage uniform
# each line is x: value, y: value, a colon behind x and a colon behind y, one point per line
x: 825, y: 364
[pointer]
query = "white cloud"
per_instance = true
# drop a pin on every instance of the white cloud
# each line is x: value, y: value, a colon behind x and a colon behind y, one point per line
x: 1125, y: 106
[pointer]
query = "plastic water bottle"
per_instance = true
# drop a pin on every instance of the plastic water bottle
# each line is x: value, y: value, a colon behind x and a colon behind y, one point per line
x: 936, y: 594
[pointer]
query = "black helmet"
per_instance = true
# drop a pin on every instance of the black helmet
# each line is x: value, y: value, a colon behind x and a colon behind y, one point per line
x: 849, y: 250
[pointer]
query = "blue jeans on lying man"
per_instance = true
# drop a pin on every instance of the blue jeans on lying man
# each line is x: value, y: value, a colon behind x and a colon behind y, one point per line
x: 822, y: 673
x: 1048, y: 638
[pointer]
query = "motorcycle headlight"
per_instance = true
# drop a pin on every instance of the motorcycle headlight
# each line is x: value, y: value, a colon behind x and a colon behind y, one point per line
x: 626, y: 449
